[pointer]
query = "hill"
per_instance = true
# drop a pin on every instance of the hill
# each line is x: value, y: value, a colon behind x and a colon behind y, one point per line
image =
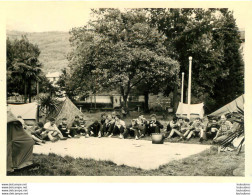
x: 54, y: 47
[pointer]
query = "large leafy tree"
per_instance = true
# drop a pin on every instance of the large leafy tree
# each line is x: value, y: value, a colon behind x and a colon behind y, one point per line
x: 23, y: 67
x: 119, y: 50
x: 211, y: 37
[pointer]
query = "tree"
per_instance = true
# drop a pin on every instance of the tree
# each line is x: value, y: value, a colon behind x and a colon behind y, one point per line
x: 119, y: 50
x: 211, y: 37
x: 23, y: 66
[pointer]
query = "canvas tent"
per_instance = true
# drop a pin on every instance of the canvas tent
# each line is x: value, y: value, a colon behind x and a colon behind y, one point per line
x: 66, y: 109
x: 230, y: 107
x: 19, y: 144
x: 196, y: 110
x: 29, y: 112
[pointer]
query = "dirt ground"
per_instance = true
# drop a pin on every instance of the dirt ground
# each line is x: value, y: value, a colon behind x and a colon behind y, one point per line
x: 135, y: 153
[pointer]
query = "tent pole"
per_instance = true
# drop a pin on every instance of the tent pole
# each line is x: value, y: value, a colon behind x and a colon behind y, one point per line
x: 189, y: 86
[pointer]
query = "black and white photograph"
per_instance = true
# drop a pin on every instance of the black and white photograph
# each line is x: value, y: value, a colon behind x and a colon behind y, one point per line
x: 119, y: 91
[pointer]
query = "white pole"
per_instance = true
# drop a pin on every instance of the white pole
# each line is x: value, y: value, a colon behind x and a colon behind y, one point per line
x: 189, y: 86
x: 182, y: 88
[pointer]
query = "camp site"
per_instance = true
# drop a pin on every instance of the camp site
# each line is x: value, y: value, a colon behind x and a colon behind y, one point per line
x: 134, y: 92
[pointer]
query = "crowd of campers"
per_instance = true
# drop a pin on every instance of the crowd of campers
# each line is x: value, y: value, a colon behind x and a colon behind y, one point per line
x: 110, y: 125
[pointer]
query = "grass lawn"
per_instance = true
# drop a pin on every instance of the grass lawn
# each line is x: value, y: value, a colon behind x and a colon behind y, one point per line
x: 207, y: 163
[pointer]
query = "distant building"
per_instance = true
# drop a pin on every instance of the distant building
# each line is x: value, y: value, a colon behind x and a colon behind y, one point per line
x: 242, y: 34
x: 53, y: 77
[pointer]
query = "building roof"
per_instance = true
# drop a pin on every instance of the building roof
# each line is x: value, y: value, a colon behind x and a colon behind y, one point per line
x: 242, y: 34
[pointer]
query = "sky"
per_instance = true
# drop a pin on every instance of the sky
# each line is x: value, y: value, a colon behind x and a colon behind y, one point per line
x: 58, y: 16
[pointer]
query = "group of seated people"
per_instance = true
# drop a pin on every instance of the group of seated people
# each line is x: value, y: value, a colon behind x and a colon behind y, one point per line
x: 112, y: 125
x: 214, y: 130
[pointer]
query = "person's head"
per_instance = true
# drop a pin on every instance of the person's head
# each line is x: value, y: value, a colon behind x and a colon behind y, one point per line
x: 223, y: 118
x: 113, y: 114
x: 197, y: 120
x: 64, y: 121
x: 153, y: 117
x: 141, y: 117
x: 117, y: 117
x: 214, y: 120
x: 77, y: 118
x: 187, y: 120
x: 109, y: 117
x: 103, y: 116
x: 40, y: 125
x: 52, y: 121
x: 174, y: 119
x: 180, y: 120
x: 133, y: 122
x: 96, y: 123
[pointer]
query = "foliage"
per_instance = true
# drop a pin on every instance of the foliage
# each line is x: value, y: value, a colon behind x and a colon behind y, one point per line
x: 119, y: 50
x: 23, y: 66
x: 48, y: 103
x: 211, y: 37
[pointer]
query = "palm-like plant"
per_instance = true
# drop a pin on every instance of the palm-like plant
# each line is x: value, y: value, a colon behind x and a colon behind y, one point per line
x: 25, y: 65
x: 48, y: 104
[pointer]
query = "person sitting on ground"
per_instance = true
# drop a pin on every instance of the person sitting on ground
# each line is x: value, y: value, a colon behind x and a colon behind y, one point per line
x: 154, y: 125
x: 142, y: 125
x: 75, y: 127
x: 197, y: 128
x: 94, y: 129
x: 224, y: 131
x: 112, y: 122
x: 64, y: 129
x: 184, y: 125
x: 119, y: 128
x: 39, y: 131
x: 133, y: 130
x: 212, y: 128
x: 105, y: 128
x: 35, y: 136
x: 83, y: 129
x: 54, y: 133
x: 174, y: 125
x: 103, y: 118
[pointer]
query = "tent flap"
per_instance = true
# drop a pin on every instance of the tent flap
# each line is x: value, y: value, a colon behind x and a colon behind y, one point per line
x: 19, y: 144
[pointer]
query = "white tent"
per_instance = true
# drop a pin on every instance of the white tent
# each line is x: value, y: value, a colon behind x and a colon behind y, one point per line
x: 29, y: 112
x: 195, y: 110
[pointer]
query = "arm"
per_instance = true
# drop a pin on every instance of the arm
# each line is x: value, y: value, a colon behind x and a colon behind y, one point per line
x: 160, y: 125
x: 217, y: 134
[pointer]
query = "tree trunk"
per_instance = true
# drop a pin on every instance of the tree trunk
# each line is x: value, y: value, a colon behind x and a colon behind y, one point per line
x: 125, y: 102
x: 25, y: 91
x: 175, y: 98
x: 29, y: 91
x: 146, y: 101
x: 37, y: 85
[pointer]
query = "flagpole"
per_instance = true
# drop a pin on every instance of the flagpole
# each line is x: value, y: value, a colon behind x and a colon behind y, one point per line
x: 182, y: 88
x: 189, y: 87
